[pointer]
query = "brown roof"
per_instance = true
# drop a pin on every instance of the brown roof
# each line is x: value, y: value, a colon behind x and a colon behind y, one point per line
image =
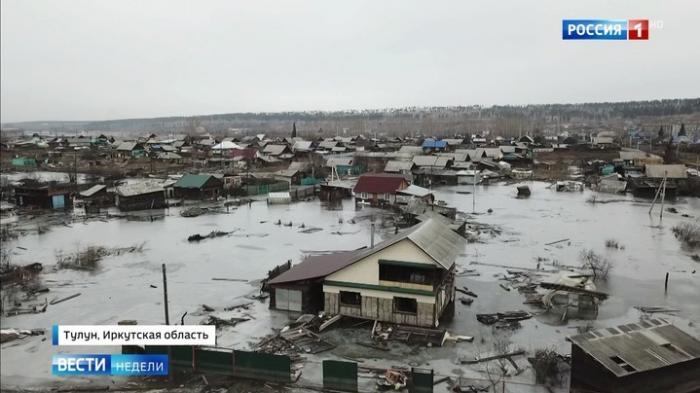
x: 380, y: 183
x: 317, y: 266
x: 432, y: 236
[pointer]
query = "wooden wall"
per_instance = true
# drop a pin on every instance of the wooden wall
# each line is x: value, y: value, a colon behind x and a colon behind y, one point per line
x: 382, y: 310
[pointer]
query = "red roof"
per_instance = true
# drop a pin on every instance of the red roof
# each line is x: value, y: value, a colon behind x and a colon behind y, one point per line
x: 380, y: 183
x: 248, y: 153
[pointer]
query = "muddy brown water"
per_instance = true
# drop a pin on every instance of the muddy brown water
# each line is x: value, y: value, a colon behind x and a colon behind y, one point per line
x: 121, y: 287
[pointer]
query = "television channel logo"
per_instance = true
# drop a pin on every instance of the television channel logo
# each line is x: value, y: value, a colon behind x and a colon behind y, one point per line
x: 605, y: 29
x: 105, y: 364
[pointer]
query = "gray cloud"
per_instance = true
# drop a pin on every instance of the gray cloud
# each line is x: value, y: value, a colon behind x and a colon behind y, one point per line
x: 64, y: 60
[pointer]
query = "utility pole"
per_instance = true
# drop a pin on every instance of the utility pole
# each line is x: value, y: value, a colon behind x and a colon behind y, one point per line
x: 165, y: 296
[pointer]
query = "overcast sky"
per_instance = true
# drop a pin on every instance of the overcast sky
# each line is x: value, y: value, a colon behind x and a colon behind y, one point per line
x: 94, y: 60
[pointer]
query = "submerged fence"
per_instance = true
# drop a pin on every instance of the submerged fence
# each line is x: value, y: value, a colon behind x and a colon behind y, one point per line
x: 337, y: 375
x: 224, y: 361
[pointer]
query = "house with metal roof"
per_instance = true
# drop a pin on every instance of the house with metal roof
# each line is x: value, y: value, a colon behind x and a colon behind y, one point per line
x: 430, y: 144
x: 649, y: 356
x: 406, y: 279
x: 395, y: 166
x: 379, y: 188
x: 140, y: 196
x: 198, y: 187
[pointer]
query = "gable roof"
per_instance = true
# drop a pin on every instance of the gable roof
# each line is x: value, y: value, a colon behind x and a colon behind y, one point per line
x: 432, y: 236
x: 379, y: 183
x: 127, y: 146
x: 646, y: 345
x: 435, y: 161
x: 335, y: 161
x: 398, y: 166
x: 431, y: 143
x: 274, y: 150
x: 416, y: 191
x: 192, y: 181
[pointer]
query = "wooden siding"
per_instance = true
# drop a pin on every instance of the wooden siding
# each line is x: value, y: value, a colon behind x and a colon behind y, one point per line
x: 381, y: 309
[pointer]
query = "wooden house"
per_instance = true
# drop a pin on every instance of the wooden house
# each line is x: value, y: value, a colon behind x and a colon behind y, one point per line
x: 198, y: 187
x: 407, y: 279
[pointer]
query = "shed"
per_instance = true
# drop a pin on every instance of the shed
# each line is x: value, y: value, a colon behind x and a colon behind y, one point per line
x: 197, y: 187
x: 279, y: 198
x: 140, y: 196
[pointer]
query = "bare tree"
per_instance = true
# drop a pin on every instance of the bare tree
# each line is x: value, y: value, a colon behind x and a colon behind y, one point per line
x: 598, y: 266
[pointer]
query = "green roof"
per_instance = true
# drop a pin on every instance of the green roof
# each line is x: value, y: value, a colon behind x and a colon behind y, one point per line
x: 192, y: 181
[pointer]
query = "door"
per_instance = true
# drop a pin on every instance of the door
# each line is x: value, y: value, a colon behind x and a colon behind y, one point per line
x: 288, y: 299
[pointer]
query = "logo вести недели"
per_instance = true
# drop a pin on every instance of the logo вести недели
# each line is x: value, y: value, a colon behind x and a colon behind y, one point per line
x: 605, y: 29
x: 104, y: 364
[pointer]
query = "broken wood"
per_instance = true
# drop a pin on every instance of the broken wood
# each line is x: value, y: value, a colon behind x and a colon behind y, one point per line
x: 558, y: 241
x: 329, y: 322
x: 56, y: 301
x: 568, y: 288
x: 478, y: 359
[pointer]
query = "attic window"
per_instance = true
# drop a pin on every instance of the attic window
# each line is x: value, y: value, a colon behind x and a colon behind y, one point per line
x: 623, y: 364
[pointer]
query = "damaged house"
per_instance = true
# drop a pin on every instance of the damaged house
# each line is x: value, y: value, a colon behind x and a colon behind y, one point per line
x: 44, y: 195
x: 407, y: 279
x: 140, y: 196
x: 649, y: 356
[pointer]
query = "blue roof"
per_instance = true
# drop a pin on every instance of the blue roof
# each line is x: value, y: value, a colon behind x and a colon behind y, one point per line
x: 433, y: 144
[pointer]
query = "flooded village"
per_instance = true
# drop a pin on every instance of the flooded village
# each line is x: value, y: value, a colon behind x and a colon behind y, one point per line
x: 462, y: 263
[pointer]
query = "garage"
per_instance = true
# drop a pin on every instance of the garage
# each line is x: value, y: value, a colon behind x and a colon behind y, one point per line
x: 288, y: 299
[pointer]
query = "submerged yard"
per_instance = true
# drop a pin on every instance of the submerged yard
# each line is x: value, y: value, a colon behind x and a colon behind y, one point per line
x: 549, y: 229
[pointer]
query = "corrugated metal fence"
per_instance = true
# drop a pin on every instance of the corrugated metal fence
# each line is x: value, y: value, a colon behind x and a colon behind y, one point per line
x: 208, y: 360
x: 259, y: 189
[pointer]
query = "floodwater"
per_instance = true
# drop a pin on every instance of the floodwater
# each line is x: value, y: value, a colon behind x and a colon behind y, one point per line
x: 121, y: 288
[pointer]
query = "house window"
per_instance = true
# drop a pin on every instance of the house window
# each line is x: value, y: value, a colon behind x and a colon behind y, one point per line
x: 412, y: 275
x: 405, y: 305
x: 353, y: 299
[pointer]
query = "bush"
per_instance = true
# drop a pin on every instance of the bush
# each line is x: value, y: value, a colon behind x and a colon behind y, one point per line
x: 688, y: 233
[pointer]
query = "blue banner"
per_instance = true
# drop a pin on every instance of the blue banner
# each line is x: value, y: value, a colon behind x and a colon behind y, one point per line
x: 101, y: 364
x: 594, y: 29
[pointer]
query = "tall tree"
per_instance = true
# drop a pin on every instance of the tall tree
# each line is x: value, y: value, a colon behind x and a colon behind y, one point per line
x: 682, y: 131
x: 294, y: 130
x: 661, y: 132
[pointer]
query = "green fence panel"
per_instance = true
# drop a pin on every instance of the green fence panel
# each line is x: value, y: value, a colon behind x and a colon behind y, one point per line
x: 339, y: 375
x: 264, y: 366
x: 181, y: 357
x: 155, y: 350
x: 213, y: 361
x: 421, y: 381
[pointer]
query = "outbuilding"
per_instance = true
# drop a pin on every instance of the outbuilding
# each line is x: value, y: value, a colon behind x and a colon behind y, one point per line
x: 198, y: 187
